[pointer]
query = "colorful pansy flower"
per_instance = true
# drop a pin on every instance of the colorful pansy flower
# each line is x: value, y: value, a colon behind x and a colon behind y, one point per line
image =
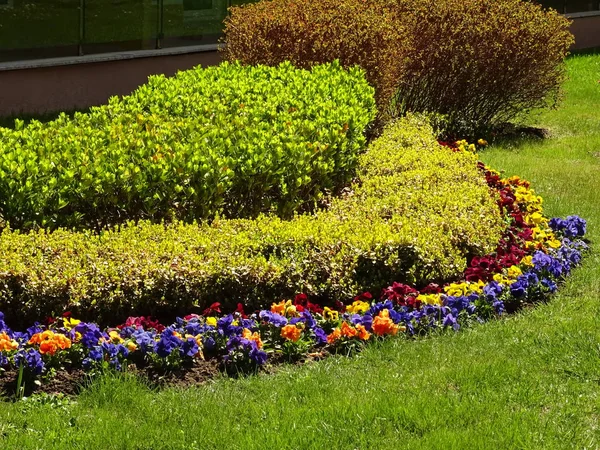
x: 291, y: 333
x: 330, y: 314
x: 358, y: 307
x: 383, y: 325
x: 247, y: 334
x: 7, y: 343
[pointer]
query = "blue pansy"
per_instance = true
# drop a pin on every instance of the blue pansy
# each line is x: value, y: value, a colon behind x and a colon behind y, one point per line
x: 450, y: 321
x: 519, y: 287
x: 145, y: 340
x: 167, y: 344
x: 96, y: 353
x: 320, y: 335
x: 551, y: 285
x: 273, y: 318
x: 110, y: 349
x: 189, y: 348
x: 492, y: 290
x: 378, y: 307
x: 209, y: 343
x: 32, y: 359
x: 498, y: 306
x: 308, y: 319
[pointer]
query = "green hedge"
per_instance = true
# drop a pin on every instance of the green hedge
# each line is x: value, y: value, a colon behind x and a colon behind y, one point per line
x: 227, y: 140
x: 414, y: 216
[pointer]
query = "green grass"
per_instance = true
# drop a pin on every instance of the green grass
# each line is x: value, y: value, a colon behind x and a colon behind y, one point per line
x: 529, y: 381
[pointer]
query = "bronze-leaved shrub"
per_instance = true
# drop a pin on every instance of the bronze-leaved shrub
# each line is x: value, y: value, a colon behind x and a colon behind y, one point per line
x: 479, y: 62
x: 417, y: 214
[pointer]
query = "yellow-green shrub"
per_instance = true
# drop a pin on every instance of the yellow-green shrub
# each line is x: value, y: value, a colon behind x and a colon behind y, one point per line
x: 418, y: 211
x: 227, y: 140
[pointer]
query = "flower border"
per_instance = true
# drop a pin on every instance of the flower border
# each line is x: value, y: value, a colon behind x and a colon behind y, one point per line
x: 533, y: 256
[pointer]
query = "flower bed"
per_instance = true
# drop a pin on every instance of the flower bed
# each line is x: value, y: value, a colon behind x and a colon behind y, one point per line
x: 401, y: 221
x: 533, y: 256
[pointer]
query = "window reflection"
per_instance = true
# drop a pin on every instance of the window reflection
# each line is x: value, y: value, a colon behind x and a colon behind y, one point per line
x: 572, y: 6
x: 31, y: 29
x: 120, y: 25
x: 187, y: 22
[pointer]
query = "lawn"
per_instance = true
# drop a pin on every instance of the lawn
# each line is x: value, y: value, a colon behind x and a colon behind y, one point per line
x: 528, y: 381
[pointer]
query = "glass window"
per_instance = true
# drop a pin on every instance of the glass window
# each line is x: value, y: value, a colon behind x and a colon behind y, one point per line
x: 32, y: 29
x: 558, y: 5
x: 188, y: 22
x: 120, y: 25
x: 573, y: 6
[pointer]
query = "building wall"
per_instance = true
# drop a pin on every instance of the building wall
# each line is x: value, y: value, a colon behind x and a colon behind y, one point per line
x: 78, y: 86
x: 586, y: 31
x: 39, y: 90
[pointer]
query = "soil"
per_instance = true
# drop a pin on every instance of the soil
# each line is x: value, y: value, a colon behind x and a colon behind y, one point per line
x: 512, y: 132
x: 70, y: 381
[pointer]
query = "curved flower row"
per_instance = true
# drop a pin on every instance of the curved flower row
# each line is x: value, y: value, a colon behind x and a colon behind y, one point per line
x: 533, y: 255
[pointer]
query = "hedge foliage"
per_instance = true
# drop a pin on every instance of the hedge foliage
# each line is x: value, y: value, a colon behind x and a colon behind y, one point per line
x: 227, y: 140
x: 416, y: 214
x: 305, y: 32
x: 479, y: 62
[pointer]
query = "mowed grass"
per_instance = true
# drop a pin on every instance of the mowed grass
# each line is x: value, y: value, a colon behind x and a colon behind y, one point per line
x: 528, y: 381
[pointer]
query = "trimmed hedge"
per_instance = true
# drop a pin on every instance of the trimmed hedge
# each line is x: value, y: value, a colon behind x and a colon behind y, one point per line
x: 479, y: 62
x: 227, y: 140
x: 419, y: 211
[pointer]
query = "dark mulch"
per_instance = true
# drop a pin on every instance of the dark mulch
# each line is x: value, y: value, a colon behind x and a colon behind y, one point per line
x: 66, y: 381
x: 510, y: 132
x: 70, y: 381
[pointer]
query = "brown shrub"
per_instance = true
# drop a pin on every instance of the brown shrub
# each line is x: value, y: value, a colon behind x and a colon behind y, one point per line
x: 479, y: 62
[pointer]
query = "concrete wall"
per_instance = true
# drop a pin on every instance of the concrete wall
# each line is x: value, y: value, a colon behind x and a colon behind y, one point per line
x: 38, y: 90
x: 77, y: 86
x: 586, y: 31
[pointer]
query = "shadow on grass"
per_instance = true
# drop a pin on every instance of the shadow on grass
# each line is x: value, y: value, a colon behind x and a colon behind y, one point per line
x: 515, y: 136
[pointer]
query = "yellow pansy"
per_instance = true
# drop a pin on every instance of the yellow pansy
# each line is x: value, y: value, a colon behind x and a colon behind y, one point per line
x: 514, y: 272
x: 131, y: 346
x: 476, y: 287
x: 430, y: 299
x: 527, y: 261
x: 456, y: 289
x: 330, y: 314
x: 290, y: 310
x: 114, y: 337
x: 535, y: 219
x: 358, y: 307
x: 553, y: 243
x: 70, y: 323
x: 499, y: 278
x: 212, y: 321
